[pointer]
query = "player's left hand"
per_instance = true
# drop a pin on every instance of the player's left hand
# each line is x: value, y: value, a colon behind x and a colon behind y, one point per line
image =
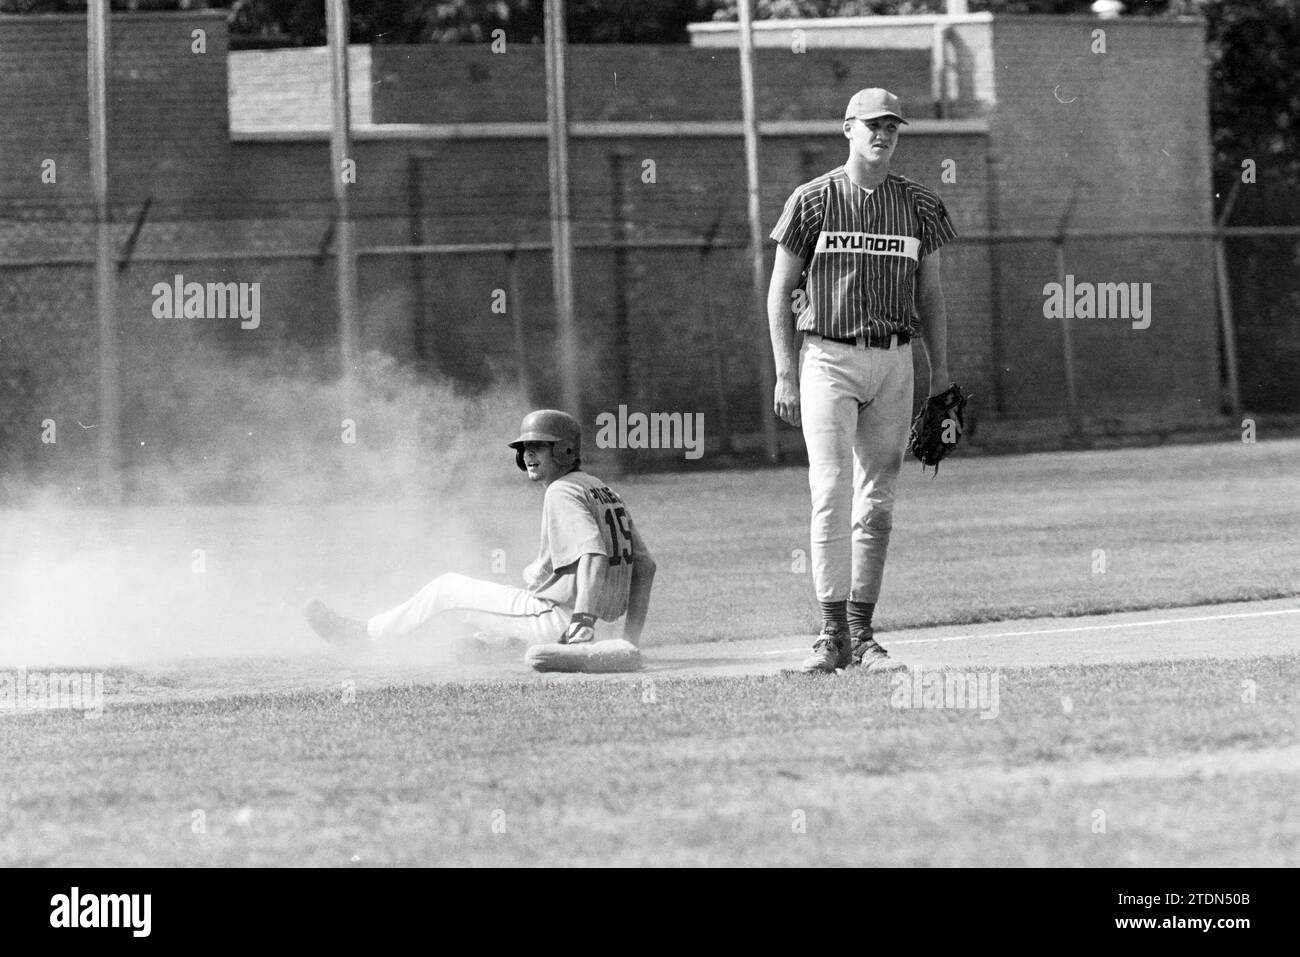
x: 581, y: 628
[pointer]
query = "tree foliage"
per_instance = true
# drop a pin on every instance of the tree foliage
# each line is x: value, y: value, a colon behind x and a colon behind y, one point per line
x: 302, y: 22
x: 440, y: 21
x: 1254, y: 51
x: 817, y: 9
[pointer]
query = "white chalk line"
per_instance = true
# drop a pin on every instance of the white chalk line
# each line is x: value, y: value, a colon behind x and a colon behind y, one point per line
x: 1074, y: 630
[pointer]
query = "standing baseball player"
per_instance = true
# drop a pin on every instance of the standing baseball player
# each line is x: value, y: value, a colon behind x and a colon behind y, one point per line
x: 592, y: 564
x: 858, y: 260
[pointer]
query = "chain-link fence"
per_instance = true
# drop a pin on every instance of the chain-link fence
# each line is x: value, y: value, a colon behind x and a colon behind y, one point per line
x: 664, y: 315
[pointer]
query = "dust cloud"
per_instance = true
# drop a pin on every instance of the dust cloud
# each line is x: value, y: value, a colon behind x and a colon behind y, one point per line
x: 252, y: 485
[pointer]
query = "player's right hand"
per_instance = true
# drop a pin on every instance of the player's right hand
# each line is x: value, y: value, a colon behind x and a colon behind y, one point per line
x: 786, y: 402
x: 581, y: 628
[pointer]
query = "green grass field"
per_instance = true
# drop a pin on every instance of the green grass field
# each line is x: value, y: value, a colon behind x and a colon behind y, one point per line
x: 1154, y: 763
x: 778, y: 770
x: 995, y: 538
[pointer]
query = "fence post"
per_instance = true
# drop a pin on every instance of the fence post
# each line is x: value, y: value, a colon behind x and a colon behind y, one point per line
x: 939, y: 69
x: 421, y: 339
x: 710, y: 324
x: 1067, y: 334
x: 620, y: 216
x: 517, y: 323
x: 997, y: 321
x: 1225, y: 305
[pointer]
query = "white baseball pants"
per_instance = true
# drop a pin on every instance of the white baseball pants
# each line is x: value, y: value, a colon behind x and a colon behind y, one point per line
x: 490, y: 606
x: 856, y: 406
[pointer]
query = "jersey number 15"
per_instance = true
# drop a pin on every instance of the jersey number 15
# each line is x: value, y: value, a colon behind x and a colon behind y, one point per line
x: 620, y: 534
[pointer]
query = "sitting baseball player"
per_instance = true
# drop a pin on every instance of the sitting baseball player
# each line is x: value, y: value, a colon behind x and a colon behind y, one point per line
x: 592, y: 564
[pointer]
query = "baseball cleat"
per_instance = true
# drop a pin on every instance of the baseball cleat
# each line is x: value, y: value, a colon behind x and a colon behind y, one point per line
x: 341, y: 632
x: 859, y: 638
x: 868, y: 653
x: 831, y: 652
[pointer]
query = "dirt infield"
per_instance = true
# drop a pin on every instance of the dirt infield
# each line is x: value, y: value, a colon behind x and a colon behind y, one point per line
x: 1225, y: 632
x: 1238, y: 630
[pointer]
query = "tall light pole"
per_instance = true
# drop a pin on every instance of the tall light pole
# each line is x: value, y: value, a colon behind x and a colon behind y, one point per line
x: 557, y: 141
x: 758, y: 306
x: 110, y: 411
x: 345, y: 248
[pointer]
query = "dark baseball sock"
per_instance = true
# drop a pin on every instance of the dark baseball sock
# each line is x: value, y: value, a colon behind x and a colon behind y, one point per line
x: 834, y: 615
x: 860, y: 614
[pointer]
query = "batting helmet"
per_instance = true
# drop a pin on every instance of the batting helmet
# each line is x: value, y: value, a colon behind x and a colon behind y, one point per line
x: 550, y: 425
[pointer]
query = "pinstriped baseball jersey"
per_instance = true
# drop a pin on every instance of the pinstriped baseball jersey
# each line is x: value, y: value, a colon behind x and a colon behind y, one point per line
x: 861, y: 249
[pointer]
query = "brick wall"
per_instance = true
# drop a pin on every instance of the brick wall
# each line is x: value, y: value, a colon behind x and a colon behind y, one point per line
x: 469, y: 83
x: 969, y: 48
x: 290, y: 89
x: 1133, y: 140
x: 168, y: 133
x: 168, y: 139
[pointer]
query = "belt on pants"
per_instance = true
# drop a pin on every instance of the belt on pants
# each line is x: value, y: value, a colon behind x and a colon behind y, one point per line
x: 869, y: 342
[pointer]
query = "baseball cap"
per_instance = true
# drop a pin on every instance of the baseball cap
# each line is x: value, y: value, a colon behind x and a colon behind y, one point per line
x: 872, y: 103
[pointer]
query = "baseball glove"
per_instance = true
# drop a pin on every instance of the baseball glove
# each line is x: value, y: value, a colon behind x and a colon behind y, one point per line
x: 937, y: 428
